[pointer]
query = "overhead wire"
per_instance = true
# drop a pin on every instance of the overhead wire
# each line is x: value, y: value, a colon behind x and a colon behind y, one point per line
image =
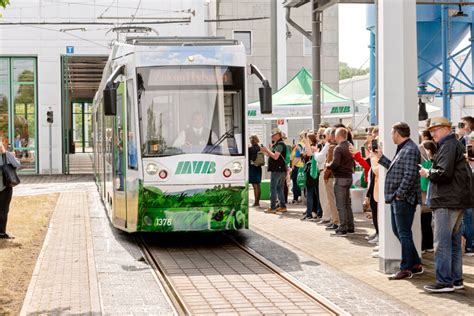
x: 67, y: 33
x: 136, y: 11
x: 108, y: 8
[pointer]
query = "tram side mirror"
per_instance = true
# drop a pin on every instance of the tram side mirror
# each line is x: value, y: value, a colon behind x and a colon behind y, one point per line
x: 265, y: 94
x: 110, y: 100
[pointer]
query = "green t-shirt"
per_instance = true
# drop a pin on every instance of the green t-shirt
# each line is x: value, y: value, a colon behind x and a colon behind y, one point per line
x: 427, y: 164
x: 279, y: 147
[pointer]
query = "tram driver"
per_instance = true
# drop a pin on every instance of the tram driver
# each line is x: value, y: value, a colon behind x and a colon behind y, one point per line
x: 196, y: 137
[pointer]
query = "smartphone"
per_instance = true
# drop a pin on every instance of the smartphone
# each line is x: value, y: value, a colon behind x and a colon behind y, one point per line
x: 362, y: 152
x: 261, y: 145
x: 375, y: 145
x: 461, y: 125
x: 470, y: 151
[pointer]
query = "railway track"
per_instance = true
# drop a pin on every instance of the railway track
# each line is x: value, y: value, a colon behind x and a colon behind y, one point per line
x: 211, y: 274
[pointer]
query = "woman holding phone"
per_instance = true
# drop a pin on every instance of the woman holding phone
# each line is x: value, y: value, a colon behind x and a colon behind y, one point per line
x: 255, y: 168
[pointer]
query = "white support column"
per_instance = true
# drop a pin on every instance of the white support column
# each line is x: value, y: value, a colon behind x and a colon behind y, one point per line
x: 397, y: 93
x: 281, y: 50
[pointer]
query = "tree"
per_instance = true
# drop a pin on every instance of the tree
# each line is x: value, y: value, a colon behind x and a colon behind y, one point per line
x: 3, y: 4
x: 346, y: 72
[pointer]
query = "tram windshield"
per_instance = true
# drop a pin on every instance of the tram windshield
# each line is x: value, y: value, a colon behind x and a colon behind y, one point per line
x: 191, y: 109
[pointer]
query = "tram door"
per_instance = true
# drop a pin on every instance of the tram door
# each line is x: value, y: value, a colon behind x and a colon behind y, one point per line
x: 119, y: 172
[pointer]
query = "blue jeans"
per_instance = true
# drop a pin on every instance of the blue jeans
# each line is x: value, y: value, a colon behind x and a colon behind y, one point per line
x: 296, y: 189
x: 310, y: 199
x: 403, y: 214
x: 447, y: 242
x: 468, y: 229
x: 277, y: 181
x: 342, y: 191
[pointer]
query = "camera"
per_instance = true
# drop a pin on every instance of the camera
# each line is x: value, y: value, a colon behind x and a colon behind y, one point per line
x: 375, y: 145
x: 461, y: 125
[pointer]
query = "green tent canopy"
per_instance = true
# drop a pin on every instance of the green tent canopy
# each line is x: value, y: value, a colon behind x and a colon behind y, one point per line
x: 298, y: 91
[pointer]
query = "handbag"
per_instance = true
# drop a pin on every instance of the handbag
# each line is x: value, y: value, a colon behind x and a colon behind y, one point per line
x: 10, y: 178
x: 260, y: 160
x: 301, y: 178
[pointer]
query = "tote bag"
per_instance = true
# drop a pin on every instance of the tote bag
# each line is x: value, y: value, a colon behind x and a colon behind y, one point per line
x: 10, y: 178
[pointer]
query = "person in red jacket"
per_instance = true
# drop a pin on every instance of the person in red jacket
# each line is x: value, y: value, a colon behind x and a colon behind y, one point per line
x: 360, y: 160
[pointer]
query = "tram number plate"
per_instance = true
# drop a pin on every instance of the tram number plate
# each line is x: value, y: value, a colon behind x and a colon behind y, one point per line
x: 163, y: 221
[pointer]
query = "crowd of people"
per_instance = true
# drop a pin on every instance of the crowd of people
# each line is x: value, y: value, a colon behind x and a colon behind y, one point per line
x: 436, y: 174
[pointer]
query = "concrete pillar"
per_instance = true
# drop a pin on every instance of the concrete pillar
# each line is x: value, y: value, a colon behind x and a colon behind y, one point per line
x: 281, y: 49
x: 278, y: 45
x: 397, y: 95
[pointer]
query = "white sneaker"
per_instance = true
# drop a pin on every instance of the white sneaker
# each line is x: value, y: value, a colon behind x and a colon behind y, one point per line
x: 374, y: 241
x: 370, y: 236
x: 375, y: 254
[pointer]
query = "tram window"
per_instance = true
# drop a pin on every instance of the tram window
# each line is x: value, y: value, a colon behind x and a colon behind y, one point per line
x: 131, y: 128
x: 191, y: 110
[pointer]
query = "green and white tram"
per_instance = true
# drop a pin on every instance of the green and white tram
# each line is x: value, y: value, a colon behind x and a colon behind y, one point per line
x: 170, y: 134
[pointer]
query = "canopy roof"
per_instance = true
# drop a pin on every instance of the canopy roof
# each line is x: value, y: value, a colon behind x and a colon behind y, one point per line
x: 298, y: 91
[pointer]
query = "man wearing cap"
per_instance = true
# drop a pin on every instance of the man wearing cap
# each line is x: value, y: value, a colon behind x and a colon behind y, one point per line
x: 450, y: 194
x: 277, y: 167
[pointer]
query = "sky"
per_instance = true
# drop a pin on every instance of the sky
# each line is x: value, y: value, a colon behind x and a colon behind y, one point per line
x: 354, y: 39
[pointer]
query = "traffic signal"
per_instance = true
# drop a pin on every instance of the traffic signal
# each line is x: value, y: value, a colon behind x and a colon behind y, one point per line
x: 49, y: 117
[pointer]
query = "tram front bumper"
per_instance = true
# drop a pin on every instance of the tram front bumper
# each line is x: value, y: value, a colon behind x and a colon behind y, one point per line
x: 215, y: 208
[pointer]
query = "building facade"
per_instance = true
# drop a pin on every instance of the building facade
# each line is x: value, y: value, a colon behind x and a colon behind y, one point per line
x: 49, y: 70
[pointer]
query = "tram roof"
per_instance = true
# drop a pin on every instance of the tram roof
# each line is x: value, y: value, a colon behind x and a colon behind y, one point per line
x: 180, y: 41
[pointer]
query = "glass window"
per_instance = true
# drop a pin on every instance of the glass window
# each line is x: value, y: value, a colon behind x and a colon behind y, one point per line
x: 4, y: 100
x: 3, y: 70
x: 24, y: 115
x: 18, y: 109
x: 24, y: 127
x: 23, y: 70
x: 245, y: 37
x: 131, y: 128
x: 190, y: 110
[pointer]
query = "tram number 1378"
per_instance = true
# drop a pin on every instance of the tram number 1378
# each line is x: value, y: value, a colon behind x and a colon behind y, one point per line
x: 163, y: 222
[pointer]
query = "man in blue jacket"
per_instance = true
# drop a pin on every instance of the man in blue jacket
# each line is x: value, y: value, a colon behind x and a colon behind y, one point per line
x: 403, y: 193
x: 450, y: 194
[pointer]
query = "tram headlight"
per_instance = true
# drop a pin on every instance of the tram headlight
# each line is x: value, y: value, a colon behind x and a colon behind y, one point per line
x: 151, y: 168
x: 236, y: 167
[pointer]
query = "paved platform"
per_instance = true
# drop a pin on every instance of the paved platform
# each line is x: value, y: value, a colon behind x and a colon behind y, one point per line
x: 351, y: 256
x: 86, y: 266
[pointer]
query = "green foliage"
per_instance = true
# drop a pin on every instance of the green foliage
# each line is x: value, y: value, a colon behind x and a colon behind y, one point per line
x: 4, y: 3
x: 346, y: 72
x: 218, y: 208
x: 217, y: 196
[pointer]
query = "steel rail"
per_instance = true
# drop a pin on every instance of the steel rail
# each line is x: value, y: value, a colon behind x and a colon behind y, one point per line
x: 173, y: 295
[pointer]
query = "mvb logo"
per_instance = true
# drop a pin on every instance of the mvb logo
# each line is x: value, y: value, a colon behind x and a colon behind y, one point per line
x: 196, y: 167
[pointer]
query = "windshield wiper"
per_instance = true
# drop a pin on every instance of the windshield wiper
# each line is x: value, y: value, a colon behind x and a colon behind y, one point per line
x: 228, y: 134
